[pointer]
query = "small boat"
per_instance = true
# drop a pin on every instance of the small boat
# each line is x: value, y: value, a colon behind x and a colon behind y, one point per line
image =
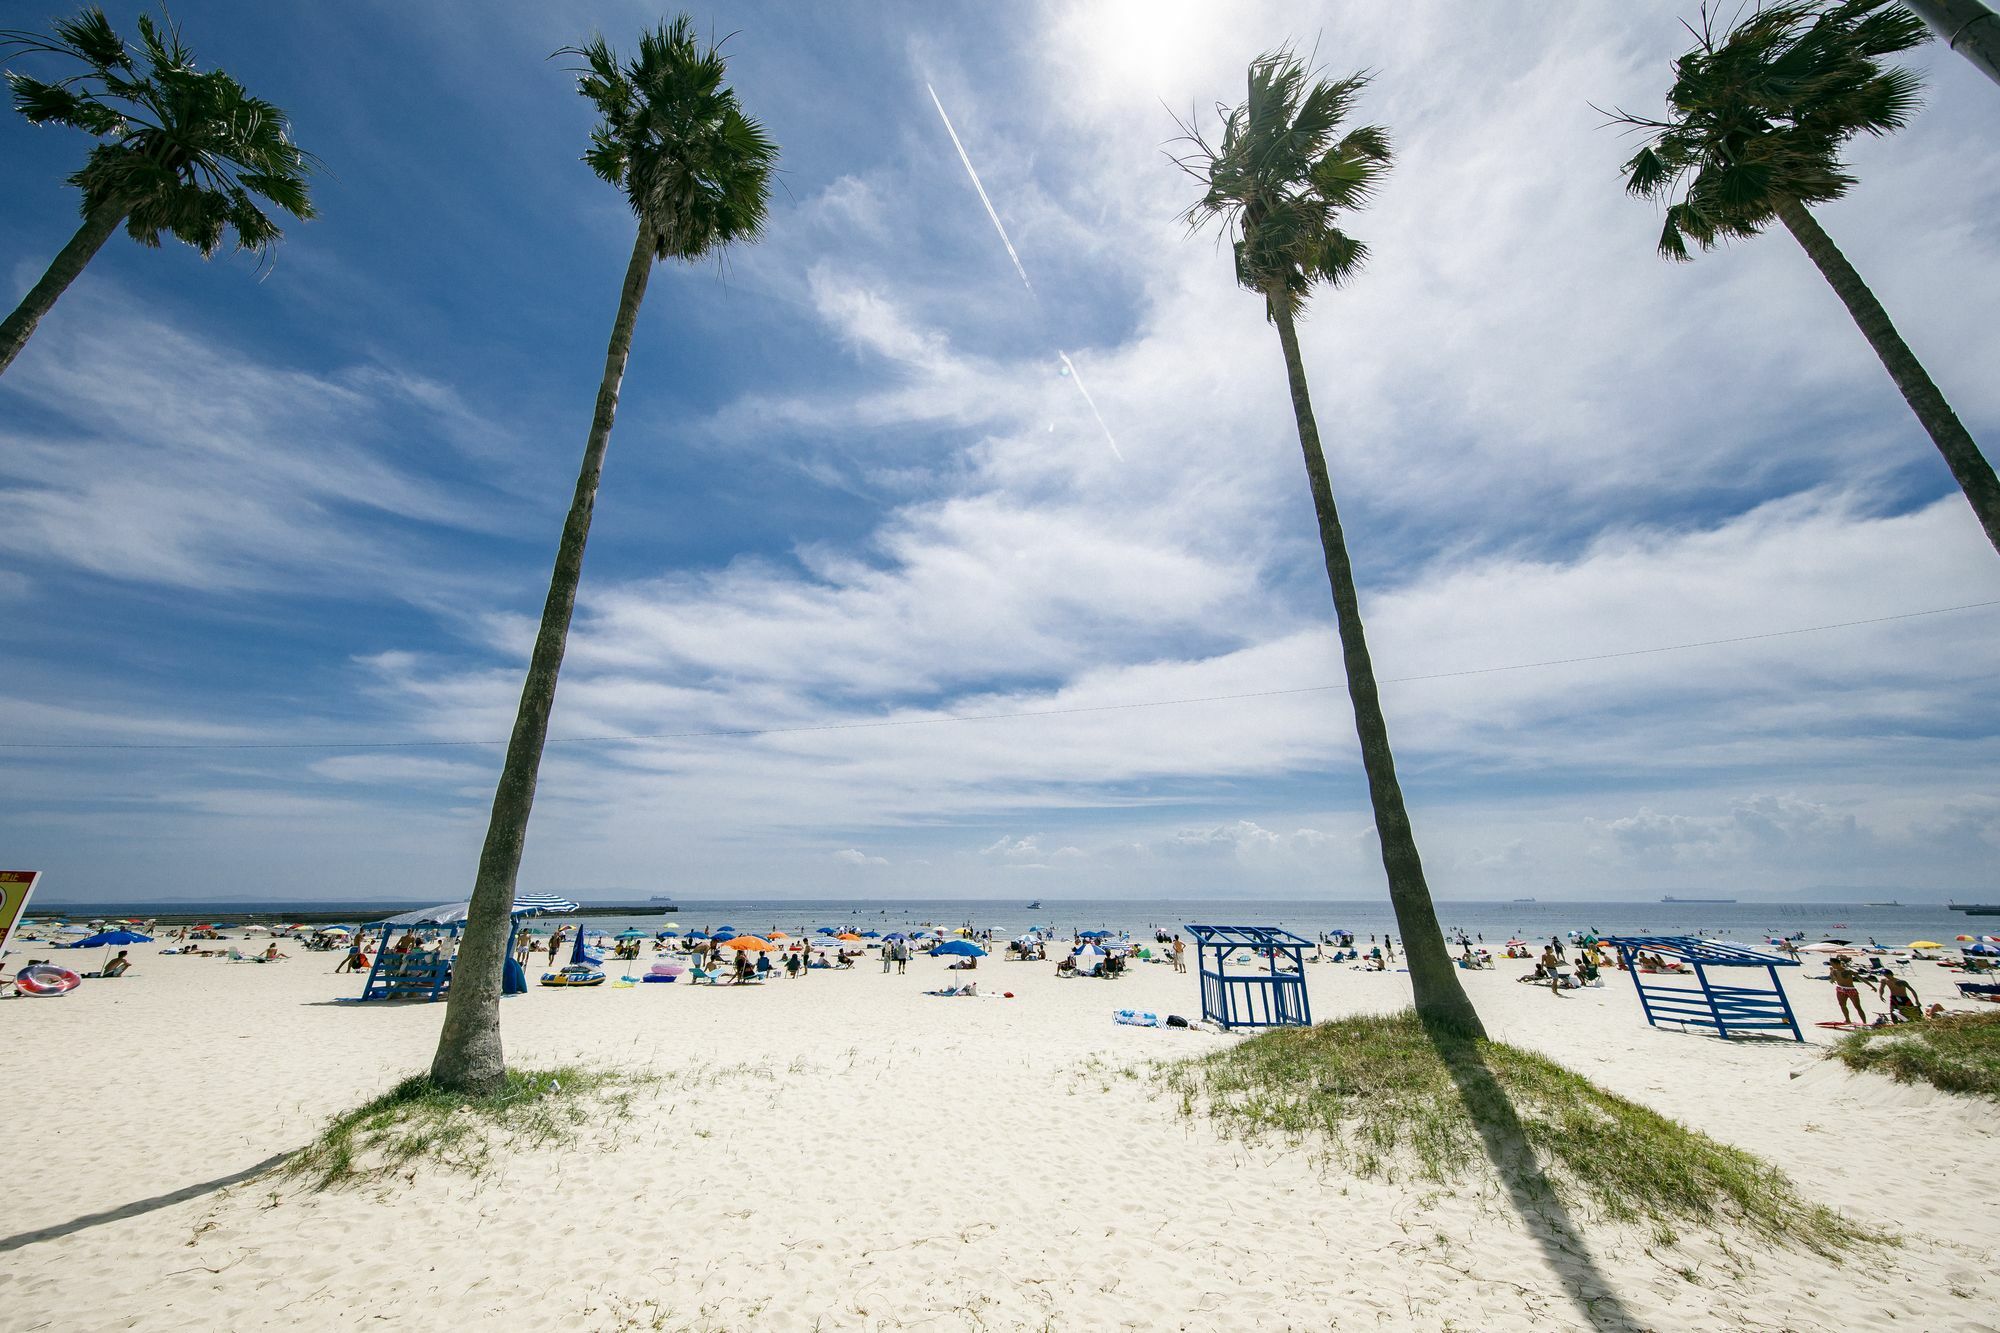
x: 1033, y: 905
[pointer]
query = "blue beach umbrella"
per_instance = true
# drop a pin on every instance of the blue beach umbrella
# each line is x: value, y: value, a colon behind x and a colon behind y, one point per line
x: 964, y: 948
x: 726, y: 932
x: 826, y: 930
x: 542, y: 902
x: 895, y: 935
x: 632, y: 935
x: 1096, y: 935
x: 871, y: 934
x: 670, y: 934
x: 110, y: 937
x: 697, y: 934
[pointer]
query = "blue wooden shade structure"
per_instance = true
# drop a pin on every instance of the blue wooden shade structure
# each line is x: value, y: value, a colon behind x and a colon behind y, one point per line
x: 1739, y: 1004
x: 1262, y: 999
x: 425, y: 973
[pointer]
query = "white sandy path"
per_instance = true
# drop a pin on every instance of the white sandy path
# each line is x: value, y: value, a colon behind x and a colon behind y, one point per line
x: 846, y: 1152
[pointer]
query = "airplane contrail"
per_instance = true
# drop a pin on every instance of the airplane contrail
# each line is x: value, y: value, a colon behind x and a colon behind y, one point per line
x: 981, y: 188
x: 1075, y: 376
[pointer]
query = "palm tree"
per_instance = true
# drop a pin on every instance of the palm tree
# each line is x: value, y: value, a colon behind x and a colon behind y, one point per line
x: 1278, y: 182
x: 181, y: 151
x: 1757, y: 125
x: 697, y: 173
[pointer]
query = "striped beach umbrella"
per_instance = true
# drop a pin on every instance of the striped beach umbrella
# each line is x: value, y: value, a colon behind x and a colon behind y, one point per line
x: 542, y: 902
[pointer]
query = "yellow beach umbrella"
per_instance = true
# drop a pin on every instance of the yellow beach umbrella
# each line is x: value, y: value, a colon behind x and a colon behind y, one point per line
x: 1925, y: 944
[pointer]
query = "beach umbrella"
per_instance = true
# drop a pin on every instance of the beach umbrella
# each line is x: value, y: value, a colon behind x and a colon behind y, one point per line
x: 871, y: 934
x: 826, y: 930
x: 543, y: 902
x: 776, y: 935
x: 1917, y: 944
x: 962, y: 948
x: 895, y: 935
x: 1094, y: 935
x: 748, y: 942
x: 632, y: 935
x: 725, y: 930
x: 107, y: 938
x: 1982, y: 950
x: 671, y: 934
x: 847, y: 935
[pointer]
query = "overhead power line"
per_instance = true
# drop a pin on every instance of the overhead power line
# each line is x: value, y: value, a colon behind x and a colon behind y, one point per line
x: 742, y: 732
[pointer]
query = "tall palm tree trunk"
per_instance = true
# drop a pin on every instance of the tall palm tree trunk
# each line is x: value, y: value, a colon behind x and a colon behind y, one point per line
x: 468, y: 1056
x: 1439, y: 996
x: 1968, y: 27
x: 1961, y: 455
x: 69, y: 263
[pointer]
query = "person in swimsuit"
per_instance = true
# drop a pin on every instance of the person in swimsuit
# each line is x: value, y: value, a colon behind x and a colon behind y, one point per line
x: 1901, y: 997
x: 1845, y: 989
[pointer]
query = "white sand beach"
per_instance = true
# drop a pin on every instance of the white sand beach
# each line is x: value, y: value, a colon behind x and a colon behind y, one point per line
x: 844, y: 1151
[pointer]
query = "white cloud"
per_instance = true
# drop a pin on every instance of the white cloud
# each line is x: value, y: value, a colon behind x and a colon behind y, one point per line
x: 854, y: 856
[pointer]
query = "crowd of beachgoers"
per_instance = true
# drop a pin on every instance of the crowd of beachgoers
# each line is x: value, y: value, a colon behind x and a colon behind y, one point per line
x: 572, y: 953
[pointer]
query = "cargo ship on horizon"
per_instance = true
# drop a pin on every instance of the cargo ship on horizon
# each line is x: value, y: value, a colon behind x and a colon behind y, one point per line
x: 1671, y: 899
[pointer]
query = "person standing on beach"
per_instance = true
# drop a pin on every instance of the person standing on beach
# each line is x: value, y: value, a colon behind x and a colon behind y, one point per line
x: 1180, y: 955
x: 1898, y: 994
x: 1845, y: 989
x: 902, y: 957
x: 888, y: 957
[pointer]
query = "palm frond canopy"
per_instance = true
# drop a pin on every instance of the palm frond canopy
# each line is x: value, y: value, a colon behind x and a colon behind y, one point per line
x: 1283, y: 173
x: 672, y: 136
x: 184, y: 151
x: 1760, y: 116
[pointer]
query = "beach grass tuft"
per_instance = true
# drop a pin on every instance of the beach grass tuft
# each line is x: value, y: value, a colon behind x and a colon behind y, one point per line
x: 1954, y: 1052
x: 1388, y: 1097
x: 417, y: 1121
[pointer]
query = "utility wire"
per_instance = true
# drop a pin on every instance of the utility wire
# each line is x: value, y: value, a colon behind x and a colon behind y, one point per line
x: 981, y: 717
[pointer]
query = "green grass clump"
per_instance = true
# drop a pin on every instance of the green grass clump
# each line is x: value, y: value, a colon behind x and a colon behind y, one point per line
x: 1385, y: 1097
x: 418, y: 1121
x: 1956, y: 1052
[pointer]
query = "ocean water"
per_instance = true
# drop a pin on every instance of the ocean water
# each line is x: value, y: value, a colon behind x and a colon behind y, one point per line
x: 1746, y: 922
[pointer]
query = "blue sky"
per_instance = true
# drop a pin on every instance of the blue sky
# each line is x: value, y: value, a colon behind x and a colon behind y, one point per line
x: 850, y: 483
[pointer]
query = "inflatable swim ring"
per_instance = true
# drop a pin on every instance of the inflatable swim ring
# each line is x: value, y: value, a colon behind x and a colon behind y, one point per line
x: 45, y: 979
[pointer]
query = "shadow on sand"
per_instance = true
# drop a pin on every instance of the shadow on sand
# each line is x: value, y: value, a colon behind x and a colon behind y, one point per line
x: 1528, y: 1188
x: 138, y: 1206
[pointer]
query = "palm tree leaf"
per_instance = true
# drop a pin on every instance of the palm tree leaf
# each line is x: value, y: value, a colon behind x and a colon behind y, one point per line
x: 182, y: 150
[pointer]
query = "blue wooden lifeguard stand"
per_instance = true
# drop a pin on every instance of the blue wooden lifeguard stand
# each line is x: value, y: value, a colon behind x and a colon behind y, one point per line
x: 1264, y: 999
x: 425, y: 974
x: 1729, y: 1008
